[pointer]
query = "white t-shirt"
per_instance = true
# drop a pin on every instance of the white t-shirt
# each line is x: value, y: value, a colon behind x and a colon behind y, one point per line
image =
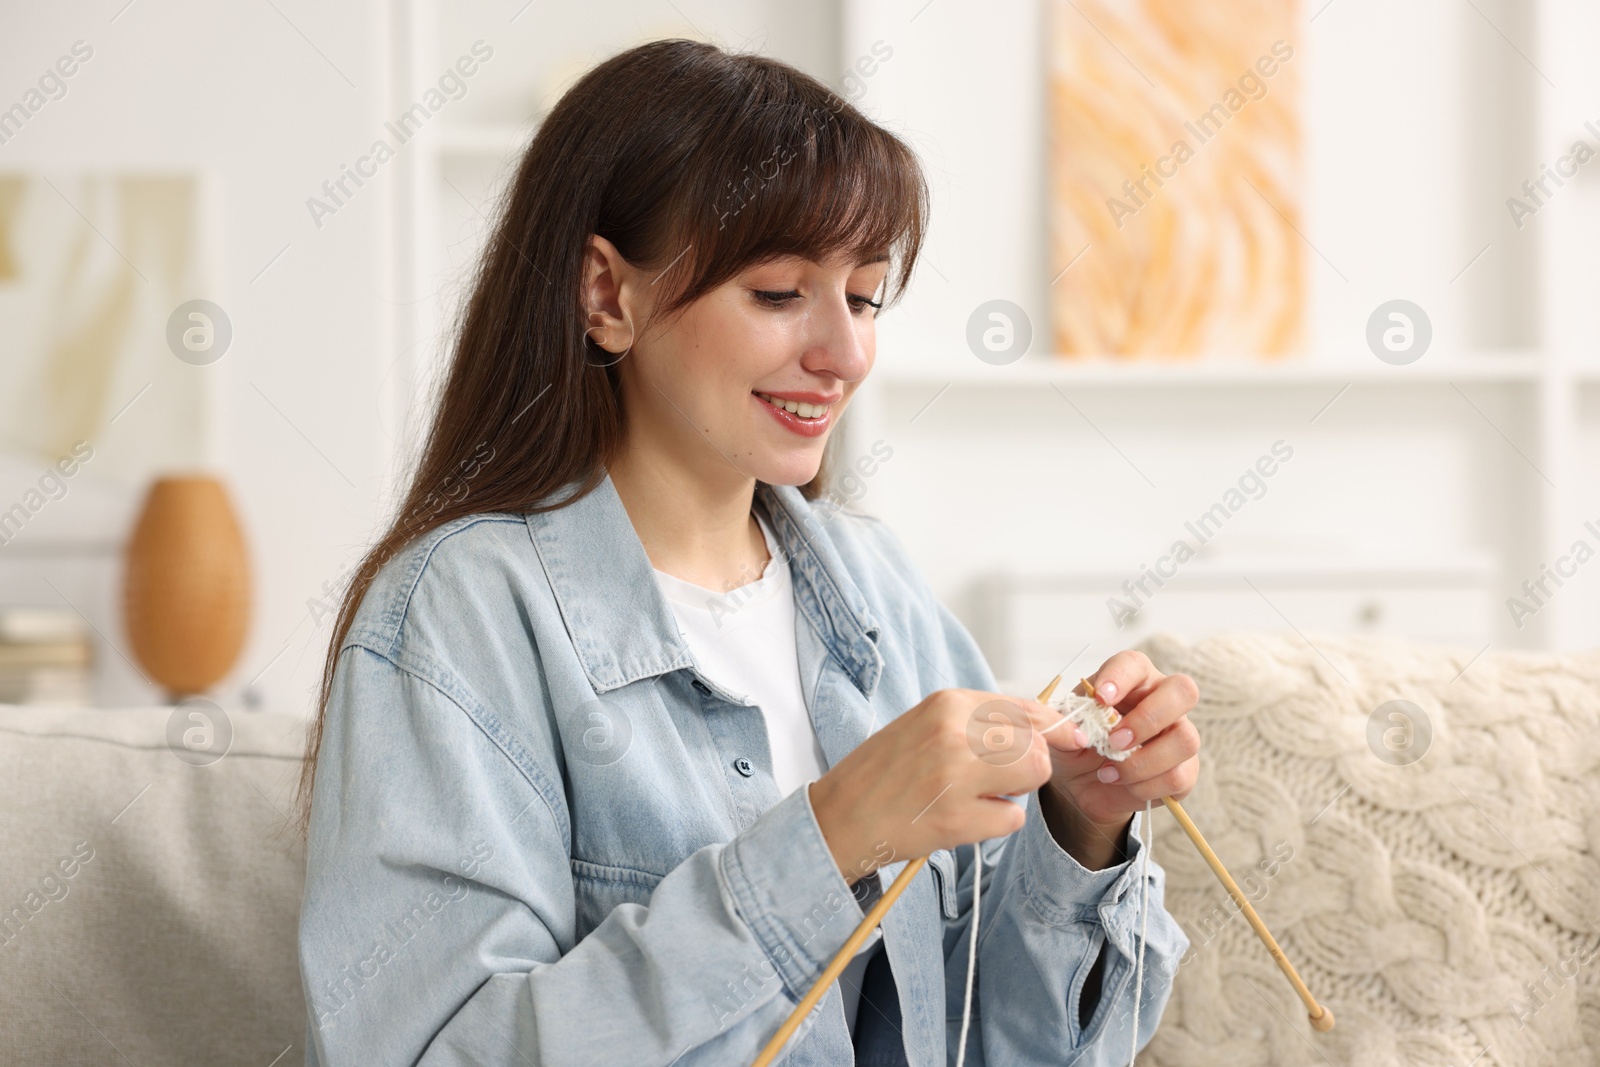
x: 744, y: 640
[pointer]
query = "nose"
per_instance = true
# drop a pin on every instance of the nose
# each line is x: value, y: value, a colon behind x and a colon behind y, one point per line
x: 841, y: 344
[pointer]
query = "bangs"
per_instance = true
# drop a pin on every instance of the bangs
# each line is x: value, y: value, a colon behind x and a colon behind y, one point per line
x: 795, y: 170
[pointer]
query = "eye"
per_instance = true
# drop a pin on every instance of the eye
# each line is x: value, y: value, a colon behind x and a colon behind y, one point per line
x: 776, y: 299
x: 859, y: 303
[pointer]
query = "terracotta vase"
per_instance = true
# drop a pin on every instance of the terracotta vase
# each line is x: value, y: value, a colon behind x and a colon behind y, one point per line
x: 186, y: 586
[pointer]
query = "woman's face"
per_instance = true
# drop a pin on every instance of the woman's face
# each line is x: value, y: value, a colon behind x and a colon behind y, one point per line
x: 751, y: 378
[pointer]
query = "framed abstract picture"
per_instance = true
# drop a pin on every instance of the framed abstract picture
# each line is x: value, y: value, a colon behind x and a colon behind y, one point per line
x: 1175, y: 178
x: 92, y: 267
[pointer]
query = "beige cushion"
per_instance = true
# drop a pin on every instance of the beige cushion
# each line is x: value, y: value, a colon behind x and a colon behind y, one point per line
x: 1423, y: 902
x: 173, y: 939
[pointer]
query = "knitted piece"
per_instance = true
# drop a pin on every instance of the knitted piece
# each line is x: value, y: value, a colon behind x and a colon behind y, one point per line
x: 1445, y: 909
x: 1095, y: 719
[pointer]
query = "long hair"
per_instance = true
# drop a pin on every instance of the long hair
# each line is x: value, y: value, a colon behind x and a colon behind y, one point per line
x: 689, y: 159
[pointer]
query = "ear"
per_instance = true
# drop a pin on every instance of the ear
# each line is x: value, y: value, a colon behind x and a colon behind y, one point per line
x: 606, y: 295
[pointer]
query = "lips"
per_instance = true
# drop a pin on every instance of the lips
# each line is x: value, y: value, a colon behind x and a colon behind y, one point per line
x: 795, y: 406
x: 805, y: 415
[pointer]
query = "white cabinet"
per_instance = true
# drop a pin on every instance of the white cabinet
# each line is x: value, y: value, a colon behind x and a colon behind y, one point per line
x: 1032, y: 626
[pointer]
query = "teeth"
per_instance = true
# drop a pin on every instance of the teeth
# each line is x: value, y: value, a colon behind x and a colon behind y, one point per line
x: 805, y: 411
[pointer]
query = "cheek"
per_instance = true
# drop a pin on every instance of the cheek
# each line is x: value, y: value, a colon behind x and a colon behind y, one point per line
x: 706, y: 363
x: 738, y: 347
x: 689, y: 357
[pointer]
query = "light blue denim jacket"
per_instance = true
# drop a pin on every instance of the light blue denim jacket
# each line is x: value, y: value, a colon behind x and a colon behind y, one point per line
x: 538, y: 836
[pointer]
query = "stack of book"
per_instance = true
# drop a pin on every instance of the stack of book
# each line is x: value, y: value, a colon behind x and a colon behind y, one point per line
x: 45, y: 657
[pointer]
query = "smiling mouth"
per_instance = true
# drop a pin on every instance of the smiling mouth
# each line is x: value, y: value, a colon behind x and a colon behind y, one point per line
x: 794, y: 407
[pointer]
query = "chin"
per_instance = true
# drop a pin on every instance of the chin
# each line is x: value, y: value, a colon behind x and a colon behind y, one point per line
x: 797, y: 470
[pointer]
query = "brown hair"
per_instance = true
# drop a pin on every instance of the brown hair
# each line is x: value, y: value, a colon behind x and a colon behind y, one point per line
x: 687, y: 158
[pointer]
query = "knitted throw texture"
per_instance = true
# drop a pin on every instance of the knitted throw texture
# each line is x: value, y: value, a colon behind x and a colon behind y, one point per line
x: 1447, y: 909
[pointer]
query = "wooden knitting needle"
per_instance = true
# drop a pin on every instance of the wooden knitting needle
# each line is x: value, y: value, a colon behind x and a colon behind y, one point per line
x: 836, y: 966
x: 842, y: 958
x: 1321, y: 1017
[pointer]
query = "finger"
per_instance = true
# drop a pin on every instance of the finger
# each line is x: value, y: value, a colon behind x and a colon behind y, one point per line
x: 1122, y: 799
x: 1023, y: 775
x: 1030, y: 717
x: 1171, y: 699
x: 1013, y: 780
x: 1060, y: 732
x: 1175, y: 783
x: 1071, y: 750
x: 1001, y: 730
x: 1077, y: 769
x: 1174, y: 746
x: 1125, y: 675
x: 999, y: 817
x: 1009, y: 751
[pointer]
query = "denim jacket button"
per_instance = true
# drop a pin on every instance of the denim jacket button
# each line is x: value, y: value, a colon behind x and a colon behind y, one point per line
x: 744, y: 766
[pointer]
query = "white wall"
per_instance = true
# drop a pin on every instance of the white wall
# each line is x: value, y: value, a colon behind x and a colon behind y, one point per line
x: 269, y: 100
x: 240, y: 94
x: 1421, y: 119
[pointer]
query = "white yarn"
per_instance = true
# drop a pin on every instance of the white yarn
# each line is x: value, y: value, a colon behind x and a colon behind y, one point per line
x: 1144, y: 927
x: 972, y: 951
x: 1096, y: 720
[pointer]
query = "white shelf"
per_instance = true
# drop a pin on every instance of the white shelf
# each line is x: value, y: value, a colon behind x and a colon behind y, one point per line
x: 1509, y: 367
x: 1447, y: 571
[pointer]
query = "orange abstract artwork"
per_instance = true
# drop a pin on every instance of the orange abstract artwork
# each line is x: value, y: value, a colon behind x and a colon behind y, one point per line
x: 1175, y: 178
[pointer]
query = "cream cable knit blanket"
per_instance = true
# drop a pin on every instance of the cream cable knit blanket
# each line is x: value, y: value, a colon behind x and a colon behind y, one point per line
x: 1448, y: 910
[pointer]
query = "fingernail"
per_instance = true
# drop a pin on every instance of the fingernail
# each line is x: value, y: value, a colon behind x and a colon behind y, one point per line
x: 1107, y: 691
x: 1081, y: 738
x: 1122, y: 739
x: 1107, y: 774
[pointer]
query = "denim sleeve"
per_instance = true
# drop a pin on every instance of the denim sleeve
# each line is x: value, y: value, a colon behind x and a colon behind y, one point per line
x: 437, y: 923
x: 1044, y: 919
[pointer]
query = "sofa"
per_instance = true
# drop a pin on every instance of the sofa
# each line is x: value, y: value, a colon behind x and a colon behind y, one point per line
x: 150, y: 889
x: 1416, y: 824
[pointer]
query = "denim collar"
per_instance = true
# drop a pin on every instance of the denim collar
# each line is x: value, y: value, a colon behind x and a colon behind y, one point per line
x: 621, y: 626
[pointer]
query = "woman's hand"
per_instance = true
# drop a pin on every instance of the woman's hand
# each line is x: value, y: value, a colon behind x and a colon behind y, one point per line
x: 936, y: 777
x: 1090, y: 799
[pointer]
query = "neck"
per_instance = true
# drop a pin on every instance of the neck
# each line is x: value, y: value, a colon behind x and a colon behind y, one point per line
x: 693, y: 527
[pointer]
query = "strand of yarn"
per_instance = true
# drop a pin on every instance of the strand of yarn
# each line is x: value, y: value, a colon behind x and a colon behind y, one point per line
x: 1097, y: 721
x: 972, y: 951
x: 1082, y: 709
x: 1144, y: 926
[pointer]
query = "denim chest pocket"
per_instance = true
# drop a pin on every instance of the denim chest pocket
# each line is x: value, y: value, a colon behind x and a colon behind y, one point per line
x: 642, y: 795
x: 598, y: 890
x: 942, y: 862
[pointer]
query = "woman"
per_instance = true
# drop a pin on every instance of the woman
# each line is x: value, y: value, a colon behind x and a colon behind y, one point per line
x: 621, y: 731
